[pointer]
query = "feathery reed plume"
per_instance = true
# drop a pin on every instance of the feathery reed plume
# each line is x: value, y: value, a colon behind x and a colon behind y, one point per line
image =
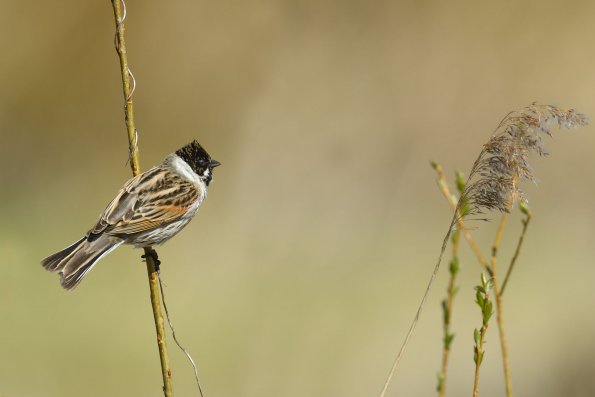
x: 503, y: 162
x: 493, y: 182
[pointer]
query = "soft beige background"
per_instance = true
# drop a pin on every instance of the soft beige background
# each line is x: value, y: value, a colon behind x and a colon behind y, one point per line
x: 305, y: 265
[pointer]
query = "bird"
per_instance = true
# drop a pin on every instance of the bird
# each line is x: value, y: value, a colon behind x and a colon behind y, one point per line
x: 149, y: 209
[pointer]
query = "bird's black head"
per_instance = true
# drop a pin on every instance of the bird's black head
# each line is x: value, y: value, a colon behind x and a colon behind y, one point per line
x: 199, y: 160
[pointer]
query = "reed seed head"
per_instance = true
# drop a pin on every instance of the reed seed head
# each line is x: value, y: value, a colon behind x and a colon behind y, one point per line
x: 504, y: 160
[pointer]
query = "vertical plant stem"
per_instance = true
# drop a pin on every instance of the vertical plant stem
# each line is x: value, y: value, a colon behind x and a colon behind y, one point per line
x: 499, y: 311
x: 150, y: 255
x: 447, y: 306
x: 159, y: 325
x: 478, y: 353
x: 503, y: 341
x: 482, y: 299
x: 517, y: 251
x: 127, y: 84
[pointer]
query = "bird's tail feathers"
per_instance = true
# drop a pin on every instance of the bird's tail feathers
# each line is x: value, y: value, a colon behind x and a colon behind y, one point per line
x: 75, y: 261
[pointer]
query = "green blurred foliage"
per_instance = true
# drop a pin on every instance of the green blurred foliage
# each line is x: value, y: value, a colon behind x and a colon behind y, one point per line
x: 303, y: 269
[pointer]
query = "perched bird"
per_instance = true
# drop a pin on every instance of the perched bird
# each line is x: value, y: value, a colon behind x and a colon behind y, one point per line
x: 148, y: 210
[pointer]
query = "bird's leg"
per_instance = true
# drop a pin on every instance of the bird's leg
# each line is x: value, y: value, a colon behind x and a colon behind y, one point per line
x: 153, y: 254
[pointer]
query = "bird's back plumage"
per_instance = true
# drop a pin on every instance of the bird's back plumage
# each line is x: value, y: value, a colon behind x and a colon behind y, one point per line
x: 153, y: 199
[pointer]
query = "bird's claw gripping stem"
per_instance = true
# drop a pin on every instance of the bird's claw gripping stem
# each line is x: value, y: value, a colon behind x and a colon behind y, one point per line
x: 153, y: 254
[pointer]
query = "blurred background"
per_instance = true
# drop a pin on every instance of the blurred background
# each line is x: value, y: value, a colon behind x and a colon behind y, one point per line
x: 305, y: 265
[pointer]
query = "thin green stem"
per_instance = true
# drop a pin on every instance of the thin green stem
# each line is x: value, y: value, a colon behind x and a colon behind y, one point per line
x: 127, y: 84
x: 447, y: 304
x: 517, y: 250
x: 499, y: 310
x: 478, y: 352
x: 159, y: 325
x: 128, y: 88
x: 447, y: 307
x: 482, y: 299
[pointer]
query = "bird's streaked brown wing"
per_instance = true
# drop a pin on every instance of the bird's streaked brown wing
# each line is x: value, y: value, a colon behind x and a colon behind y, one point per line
x: 146, y: 201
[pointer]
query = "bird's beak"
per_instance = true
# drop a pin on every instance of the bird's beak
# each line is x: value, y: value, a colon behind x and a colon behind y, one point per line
x: 214, y: 163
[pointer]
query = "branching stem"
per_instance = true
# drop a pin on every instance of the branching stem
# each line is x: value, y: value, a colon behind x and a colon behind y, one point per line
x: 443, y: 185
